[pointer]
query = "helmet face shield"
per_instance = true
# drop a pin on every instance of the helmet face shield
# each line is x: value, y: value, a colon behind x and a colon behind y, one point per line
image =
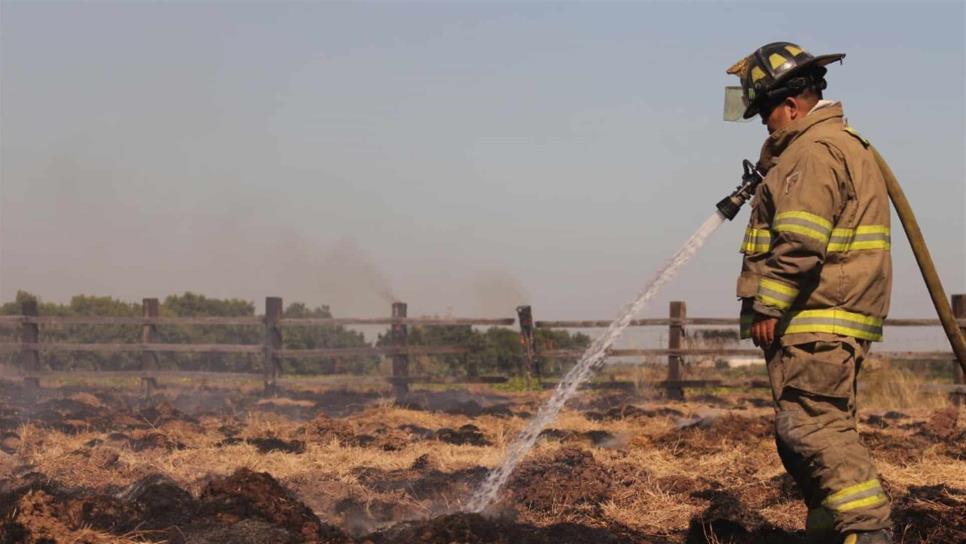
x: 735, y: 104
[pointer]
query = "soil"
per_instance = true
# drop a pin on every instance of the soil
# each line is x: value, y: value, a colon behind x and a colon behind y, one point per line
x: 709, y: 435
x: 931, y: 514
x: 270, y: 444
x: 476, y: 529
x: 570, y: 479
x: 324, y: 429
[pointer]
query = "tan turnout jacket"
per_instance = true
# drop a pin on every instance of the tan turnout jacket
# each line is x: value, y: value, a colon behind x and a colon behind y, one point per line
x: 817, y: 247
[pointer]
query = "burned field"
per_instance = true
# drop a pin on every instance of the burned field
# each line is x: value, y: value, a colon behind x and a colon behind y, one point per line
x: 328, y: 464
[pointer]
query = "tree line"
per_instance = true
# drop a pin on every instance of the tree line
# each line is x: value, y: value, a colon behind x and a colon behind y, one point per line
x: 495, y: 350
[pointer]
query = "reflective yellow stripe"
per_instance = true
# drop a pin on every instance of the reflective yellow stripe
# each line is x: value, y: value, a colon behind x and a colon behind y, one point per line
x: 851, y: 539
x: 776, y: 294
x: 804, y: 223
x: 756, y: 241
x: 874, y: 500
x: 835, y: 321
x: 778, y: 286
x: 817, y: 219
x: 852, y: 490
x: 795, y: 51
x: 864, y: 237
x: 863, y: 495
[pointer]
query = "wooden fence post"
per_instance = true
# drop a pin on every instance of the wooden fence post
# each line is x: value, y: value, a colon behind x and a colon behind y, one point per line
x: 29, y: 338
x: 150, y: 308
x: 400, y: 361
x: 959, y: 310
x: 525, y: 316
x: 272, y: 342
x: 678, y: 311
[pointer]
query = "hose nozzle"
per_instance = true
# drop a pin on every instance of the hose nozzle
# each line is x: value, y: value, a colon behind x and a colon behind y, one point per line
x: 731, y: 204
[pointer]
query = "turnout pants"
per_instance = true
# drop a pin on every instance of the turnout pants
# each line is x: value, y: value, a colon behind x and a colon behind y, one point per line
x: 813, y: 381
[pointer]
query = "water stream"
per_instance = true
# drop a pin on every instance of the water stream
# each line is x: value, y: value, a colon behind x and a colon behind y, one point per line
x: 592, y: 359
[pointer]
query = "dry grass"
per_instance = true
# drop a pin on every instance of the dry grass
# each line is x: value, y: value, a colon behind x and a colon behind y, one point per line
x: 663, y: 474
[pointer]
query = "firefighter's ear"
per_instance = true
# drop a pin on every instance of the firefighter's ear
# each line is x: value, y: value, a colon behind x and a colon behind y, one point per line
x: 792, y: 108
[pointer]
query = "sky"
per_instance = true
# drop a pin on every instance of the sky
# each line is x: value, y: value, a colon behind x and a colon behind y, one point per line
x: 462, y: 157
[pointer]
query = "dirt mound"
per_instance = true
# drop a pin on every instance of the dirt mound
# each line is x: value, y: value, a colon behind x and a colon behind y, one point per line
x: 631, y: 411
x: 162, y: 413
x: 467, y: 434
x: 597, y: 437
x: 421, y: 484
x: 895, y: 449
x: 709, y: 435
x: 955, y: 446
x: 325, y: 429
x: 34, y: 518
x: 726, y: 519
x: 476, y: 529
x: 248, y: 494
x: 570, y: 479
x: 336, y: 402
x: 151, y: 440
x: 270, y: 444
x: 73, y: 416
x: 9, y: 442
x: 457, y: 403
x: 931, y: 514
x: 43, y: 512
x: 160, y: 501
x: 942, y: 424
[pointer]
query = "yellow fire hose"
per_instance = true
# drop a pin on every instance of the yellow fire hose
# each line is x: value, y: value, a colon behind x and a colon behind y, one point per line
x: 921, y: 251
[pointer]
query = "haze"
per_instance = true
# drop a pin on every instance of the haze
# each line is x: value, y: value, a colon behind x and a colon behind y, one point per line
x: 462, y: 157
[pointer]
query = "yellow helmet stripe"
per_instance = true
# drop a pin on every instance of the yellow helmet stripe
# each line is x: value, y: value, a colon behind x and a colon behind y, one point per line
x: 776, y: 60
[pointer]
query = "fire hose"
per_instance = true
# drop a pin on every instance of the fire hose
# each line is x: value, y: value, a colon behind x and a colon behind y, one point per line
x: 924, y: 259
x: 731, y: 204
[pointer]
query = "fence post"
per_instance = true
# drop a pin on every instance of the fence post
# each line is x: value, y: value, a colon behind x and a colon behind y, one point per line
x: 29, y: 338
x: 272, y: 342
x: 525, y: 316
x: 959, y: 310
x: 678, y: 311
x: 149, y: 335
x: 400, y: 361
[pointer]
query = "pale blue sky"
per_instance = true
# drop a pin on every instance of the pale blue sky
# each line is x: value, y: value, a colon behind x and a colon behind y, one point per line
x: 554, y: 153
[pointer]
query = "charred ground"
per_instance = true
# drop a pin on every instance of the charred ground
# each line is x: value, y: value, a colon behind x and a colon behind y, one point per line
x: 337, y: 465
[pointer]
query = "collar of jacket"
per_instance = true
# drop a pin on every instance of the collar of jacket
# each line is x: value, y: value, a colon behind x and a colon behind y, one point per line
x: 779, y: 140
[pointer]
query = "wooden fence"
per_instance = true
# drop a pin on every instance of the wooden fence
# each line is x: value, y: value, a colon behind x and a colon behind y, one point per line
x: 29, y: 347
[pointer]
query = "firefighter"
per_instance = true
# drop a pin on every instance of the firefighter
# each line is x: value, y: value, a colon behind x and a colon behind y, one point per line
x: 815, y: 284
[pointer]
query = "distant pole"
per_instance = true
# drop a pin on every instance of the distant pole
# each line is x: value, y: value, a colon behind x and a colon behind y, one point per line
x: 272, y: 342
x: 150, y: 309
x: 400, y: 361
x: 678, y: 311
x: 29, y: 338
x: 959, y: 310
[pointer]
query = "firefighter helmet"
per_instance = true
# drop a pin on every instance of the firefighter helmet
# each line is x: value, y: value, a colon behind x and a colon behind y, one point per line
x: 777, y: 70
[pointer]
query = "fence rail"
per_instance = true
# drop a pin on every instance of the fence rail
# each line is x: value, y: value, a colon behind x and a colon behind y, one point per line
x: 272, y: 322
x: 254, y: 321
